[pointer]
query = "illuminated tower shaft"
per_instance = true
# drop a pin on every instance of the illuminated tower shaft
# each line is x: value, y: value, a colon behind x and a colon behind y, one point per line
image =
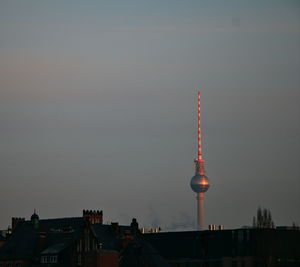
x: 200, y: 211
x: 199, y: 182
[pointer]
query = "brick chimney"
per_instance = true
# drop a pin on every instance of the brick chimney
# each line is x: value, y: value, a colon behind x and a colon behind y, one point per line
x: 15, y: 221
x: 93, y: 216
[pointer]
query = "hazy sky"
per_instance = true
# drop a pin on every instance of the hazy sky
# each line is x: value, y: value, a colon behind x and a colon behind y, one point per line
x: 98, y: 109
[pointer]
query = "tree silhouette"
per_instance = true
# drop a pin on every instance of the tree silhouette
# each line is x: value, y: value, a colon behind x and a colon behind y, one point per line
x: 263, y: 219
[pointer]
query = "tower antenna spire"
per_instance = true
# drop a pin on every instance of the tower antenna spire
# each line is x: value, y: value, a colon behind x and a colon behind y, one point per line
x: 199, y: 128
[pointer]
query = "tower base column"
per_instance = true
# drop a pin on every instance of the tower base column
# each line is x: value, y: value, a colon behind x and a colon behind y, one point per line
x: 200, y: 211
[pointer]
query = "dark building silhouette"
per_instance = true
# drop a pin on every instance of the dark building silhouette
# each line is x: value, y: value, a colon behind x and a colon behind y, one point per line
x: 15, y: 220
x: 78, y: 241
x: 140, y: 253
x: 229, y: 248
x: 87, y: 242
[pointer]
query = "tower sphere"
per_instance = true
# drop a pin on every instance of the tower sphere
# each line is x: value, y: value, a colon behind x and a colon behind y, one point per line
x: 199, y: 183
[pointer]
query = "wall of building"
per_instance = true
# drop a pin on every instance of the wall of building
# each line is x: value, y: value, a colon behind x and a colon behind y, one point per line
x: 108, y: 259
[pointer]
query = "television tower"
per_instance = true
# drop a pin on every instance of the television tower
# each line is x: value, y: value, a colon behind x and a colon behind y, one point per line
x: 199, y: 182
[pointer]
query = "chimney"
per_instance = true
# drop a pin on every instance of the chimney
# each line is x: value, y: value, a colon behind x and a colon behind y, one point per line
x: 134, y: 226
x: 93, y: 216
x: 115, y: 227
x: 15, y: 221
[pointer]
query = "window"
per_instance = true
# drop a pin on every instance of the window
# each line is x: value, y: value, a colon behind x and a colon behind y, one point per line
x: 240, y: 235
x: 55, y: 259
x: 79, y: 246
x: 87, y: 242
x: 79, y: 259
x: 248, y: 235
x: 44, y: 259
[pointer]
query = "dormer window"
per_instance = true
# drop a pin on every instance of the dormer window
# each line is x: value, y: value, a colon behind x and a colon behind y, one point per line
x: 49, y: 259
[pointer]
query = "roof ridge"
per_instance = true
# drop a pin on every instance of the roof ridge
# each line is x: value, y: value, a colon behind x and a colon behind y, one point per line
x: 65, y: 218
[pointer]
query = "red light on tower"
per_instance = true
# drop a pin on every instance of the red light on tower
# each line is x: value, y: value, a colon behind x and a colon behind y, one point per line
x: 199, y: 182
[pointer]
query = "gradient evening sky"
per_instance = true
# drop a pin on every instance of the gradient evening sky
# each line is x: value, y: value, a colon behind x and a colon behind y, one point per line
x: 98, y: 109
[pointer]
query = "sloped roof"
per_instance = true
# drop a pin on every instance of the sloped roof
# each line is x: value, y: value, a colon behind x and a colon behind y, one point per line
x: 141, y: 253
x: 60, y: 224
x: 23, y: 242
x: 106, y: 236
x: 55, y: 249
